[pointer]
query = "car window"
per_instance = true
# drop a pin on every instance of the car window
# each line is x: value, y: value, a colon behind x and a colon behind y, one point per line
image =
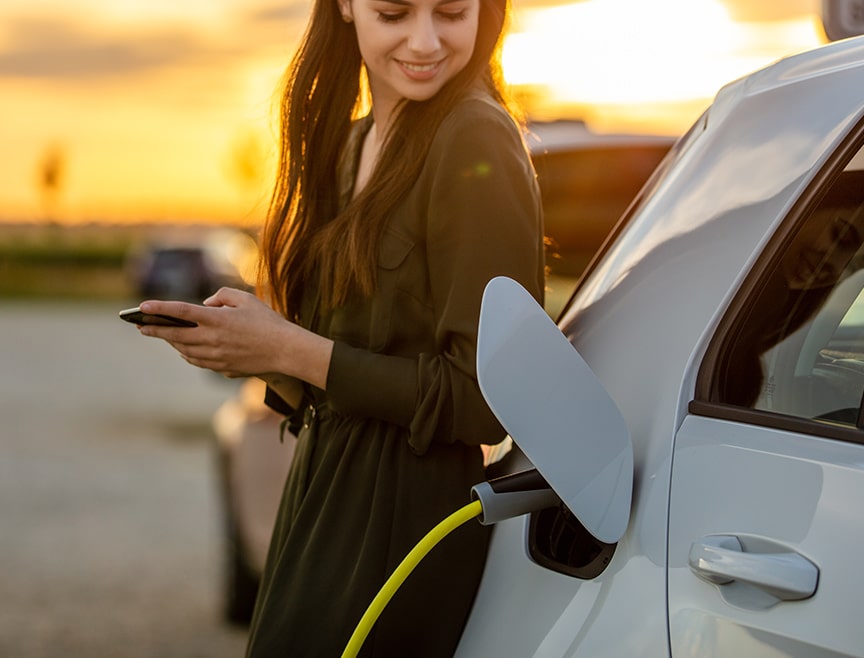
x: 600, y: 275
x: 797, y: 347
x: 586, y: 183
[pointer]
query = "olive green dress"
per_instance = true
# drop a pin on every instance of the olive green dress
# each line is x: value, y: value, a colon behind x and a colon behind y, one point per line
x: 392, y: 447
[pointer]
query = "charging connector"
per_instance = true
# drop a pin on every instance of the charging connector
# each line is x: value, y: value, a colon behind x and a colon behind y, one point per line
x: 513, y: 495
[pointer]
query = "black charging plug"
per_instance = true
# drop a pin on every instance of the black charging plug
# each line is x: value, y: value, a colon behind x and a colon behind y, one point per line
x: 513, y: 495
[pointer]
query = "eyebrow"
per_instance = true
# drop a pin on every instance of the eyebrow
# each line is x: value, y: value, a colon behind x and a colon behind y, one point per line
x: 407, y: 3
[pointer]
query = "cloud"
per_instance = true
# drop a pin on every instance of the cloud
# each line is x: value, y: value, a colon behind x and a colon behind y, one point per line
x: 293, y: 12
x: 65, y: 48
x: 750, y: 11
x: 53, y: 48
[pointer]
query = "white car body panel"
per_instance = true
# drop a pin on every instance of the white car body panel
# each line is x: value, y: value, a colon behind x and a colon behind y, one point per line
x: 693, y: 240
x: 791, y: 489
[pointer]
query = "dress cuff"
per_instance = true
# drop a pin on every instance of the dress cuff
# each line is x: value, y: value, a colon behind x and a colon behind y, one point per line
x: 275, y: 401
x: 374, y: 385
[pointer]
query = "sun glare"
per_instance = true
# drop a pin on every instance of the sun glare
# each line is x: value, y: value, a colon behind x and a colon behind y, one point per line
x: 159, y: 110
x: 631, y: 51
x: 160, y: 10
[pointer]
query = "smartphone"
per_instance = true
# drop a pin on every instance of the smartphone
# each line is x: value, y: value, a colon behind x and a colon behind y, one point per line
x: 136, y: 316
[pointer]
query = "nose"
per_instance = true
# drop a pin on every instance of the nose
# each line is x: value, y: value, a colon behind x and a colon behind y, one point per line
x: 423, y: 38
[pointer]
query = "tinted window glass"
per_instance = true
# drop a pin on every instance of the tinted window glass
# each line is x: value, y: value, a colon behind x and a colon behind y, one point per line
x: 798, y: 349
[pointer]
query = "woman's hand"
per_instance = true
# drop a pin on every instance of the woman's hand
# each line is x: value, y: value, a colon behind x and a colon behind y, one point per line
x: 238, y: 335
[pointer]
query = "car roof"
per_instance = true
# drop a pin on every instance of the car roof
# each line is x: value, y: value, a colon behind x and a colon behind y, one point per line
x: 568, y: 135
x: 795, y: 69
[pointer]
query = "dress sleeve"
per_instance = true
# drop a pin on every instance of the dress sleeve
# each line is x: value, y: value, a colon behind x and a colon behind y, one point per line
x: 484, y: 220
x: 293, y: 415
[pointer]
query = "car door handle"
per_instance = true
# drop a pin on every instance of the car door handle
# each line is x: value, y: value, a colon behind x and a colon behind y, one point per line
x: 721, y: 559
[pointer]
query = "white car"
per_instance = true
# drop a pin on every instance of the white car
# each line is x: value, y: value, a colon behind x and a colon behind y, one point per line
x: 706, y: 434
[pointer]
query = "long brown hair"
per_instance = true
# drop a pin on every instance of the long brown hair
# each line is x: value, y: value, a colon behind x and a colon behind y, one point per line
x: 306, y: 235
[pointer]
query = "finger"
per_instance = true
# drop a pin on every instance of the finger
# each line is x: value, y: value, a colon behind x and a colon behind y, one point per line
x: 211, y: 355
x: 198, y: 363
x: 158, y: 331
x: 214, y: 365
x: 224, y: 297
x: 182, y: 310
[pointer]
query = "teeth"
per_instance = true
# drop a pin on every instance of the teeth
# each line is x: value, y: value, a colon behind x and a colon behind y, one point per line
x: 419, y: 67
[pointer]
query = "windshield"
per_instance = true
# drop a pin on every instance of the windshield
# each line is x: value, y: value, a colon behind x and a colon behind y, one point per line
x: 588, y: 279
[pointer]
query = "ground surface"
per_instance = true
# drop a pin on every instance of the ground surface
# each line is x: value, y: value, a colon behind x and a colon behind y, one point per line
x: 110, y: 536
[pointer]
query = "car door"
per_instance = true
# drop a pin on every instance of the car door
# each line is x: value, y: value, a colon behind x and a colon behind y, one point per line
x: 766, y: 522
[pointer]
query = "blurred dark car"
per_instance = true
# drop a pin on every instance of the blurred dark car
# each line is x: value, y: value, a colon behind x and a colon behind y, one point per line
x: 192, y: 271
x: 587, y: 181
x: 177, y: 273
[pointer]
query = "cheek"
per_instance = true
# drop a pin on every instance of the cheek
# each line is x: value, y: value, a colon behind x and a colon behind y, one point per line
x: 372, y: 40
x: 459, y: 44
x: 467, y: 40
x: 469, y: 48
x: 365, y: 46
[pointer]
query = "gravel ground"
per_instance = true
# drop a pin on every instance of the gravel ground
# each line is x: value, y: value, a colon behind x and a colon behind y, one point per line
x: 110, y: 534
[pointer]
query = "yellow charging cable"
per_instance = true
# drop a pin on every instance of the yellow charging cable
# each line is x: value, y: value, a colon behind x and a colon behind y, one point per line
x: 448, y: 525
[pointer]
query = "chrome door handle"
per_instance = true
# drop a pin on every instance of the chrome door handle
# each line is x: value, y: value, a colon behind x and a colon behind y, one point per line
x: 720, y: 559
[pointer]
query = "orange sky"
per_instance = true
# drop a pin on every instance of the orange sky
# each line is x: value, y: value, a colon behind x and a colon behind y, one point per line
x: 158, y: 110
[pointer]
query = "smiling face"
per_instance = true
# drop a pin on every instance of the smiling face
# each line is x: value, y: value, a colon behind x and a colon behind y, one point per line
x: 412, y: 48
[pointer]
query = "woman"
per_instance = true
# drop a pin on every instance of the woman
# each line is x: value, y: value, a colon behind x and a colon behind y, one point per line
x: 382, y: 235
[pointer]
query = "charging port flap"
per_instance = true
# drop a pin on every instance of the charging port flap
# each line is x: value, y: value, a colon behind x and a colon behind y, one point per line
x: 555, y: 409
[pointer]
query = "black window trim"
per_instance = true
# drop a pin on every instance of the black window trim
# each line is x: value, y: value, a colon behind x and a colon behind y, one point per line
x: 770, y: 419
x: 705, y: 402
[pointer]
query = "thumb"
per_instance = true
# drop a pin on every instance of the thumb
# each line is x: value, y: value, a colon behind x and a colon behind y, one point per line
x: 223, y: 297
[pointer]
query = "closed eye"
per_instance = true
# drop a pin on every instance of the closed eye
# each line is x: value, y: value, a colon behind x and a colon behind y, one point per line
x: 454, y: 15
x: 391, y: 17
x: 394, y: 11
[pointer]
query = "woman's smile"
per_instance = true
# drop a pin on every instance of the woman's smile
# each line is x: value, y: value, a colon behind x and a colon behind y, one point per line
x: 421, y: 71
x: 411, y: 48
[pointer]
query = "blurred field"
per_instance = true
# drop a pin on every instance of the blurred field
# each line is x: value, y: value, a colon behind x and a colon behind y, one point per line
x: 91, y: 262
x: 88, y: 262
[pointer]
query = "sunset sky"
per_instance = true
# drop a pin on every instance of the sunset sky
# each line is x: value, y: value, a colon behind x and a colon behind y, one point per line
x: 161, y: 110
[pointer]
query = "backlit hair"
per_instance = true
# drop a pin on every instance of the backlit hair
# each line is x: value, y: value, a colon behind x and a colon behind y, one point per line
x: 307, y: 240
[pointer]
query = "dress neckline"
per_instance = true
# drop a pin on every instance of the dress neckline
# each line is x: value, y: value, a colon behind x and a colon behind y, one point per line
x: 350, y: 161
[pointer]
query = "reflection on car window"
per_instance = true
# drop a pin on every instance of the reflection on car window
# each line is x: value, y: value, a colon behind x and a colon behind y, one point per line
x: 600, y: 275
x: 799, y: 348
